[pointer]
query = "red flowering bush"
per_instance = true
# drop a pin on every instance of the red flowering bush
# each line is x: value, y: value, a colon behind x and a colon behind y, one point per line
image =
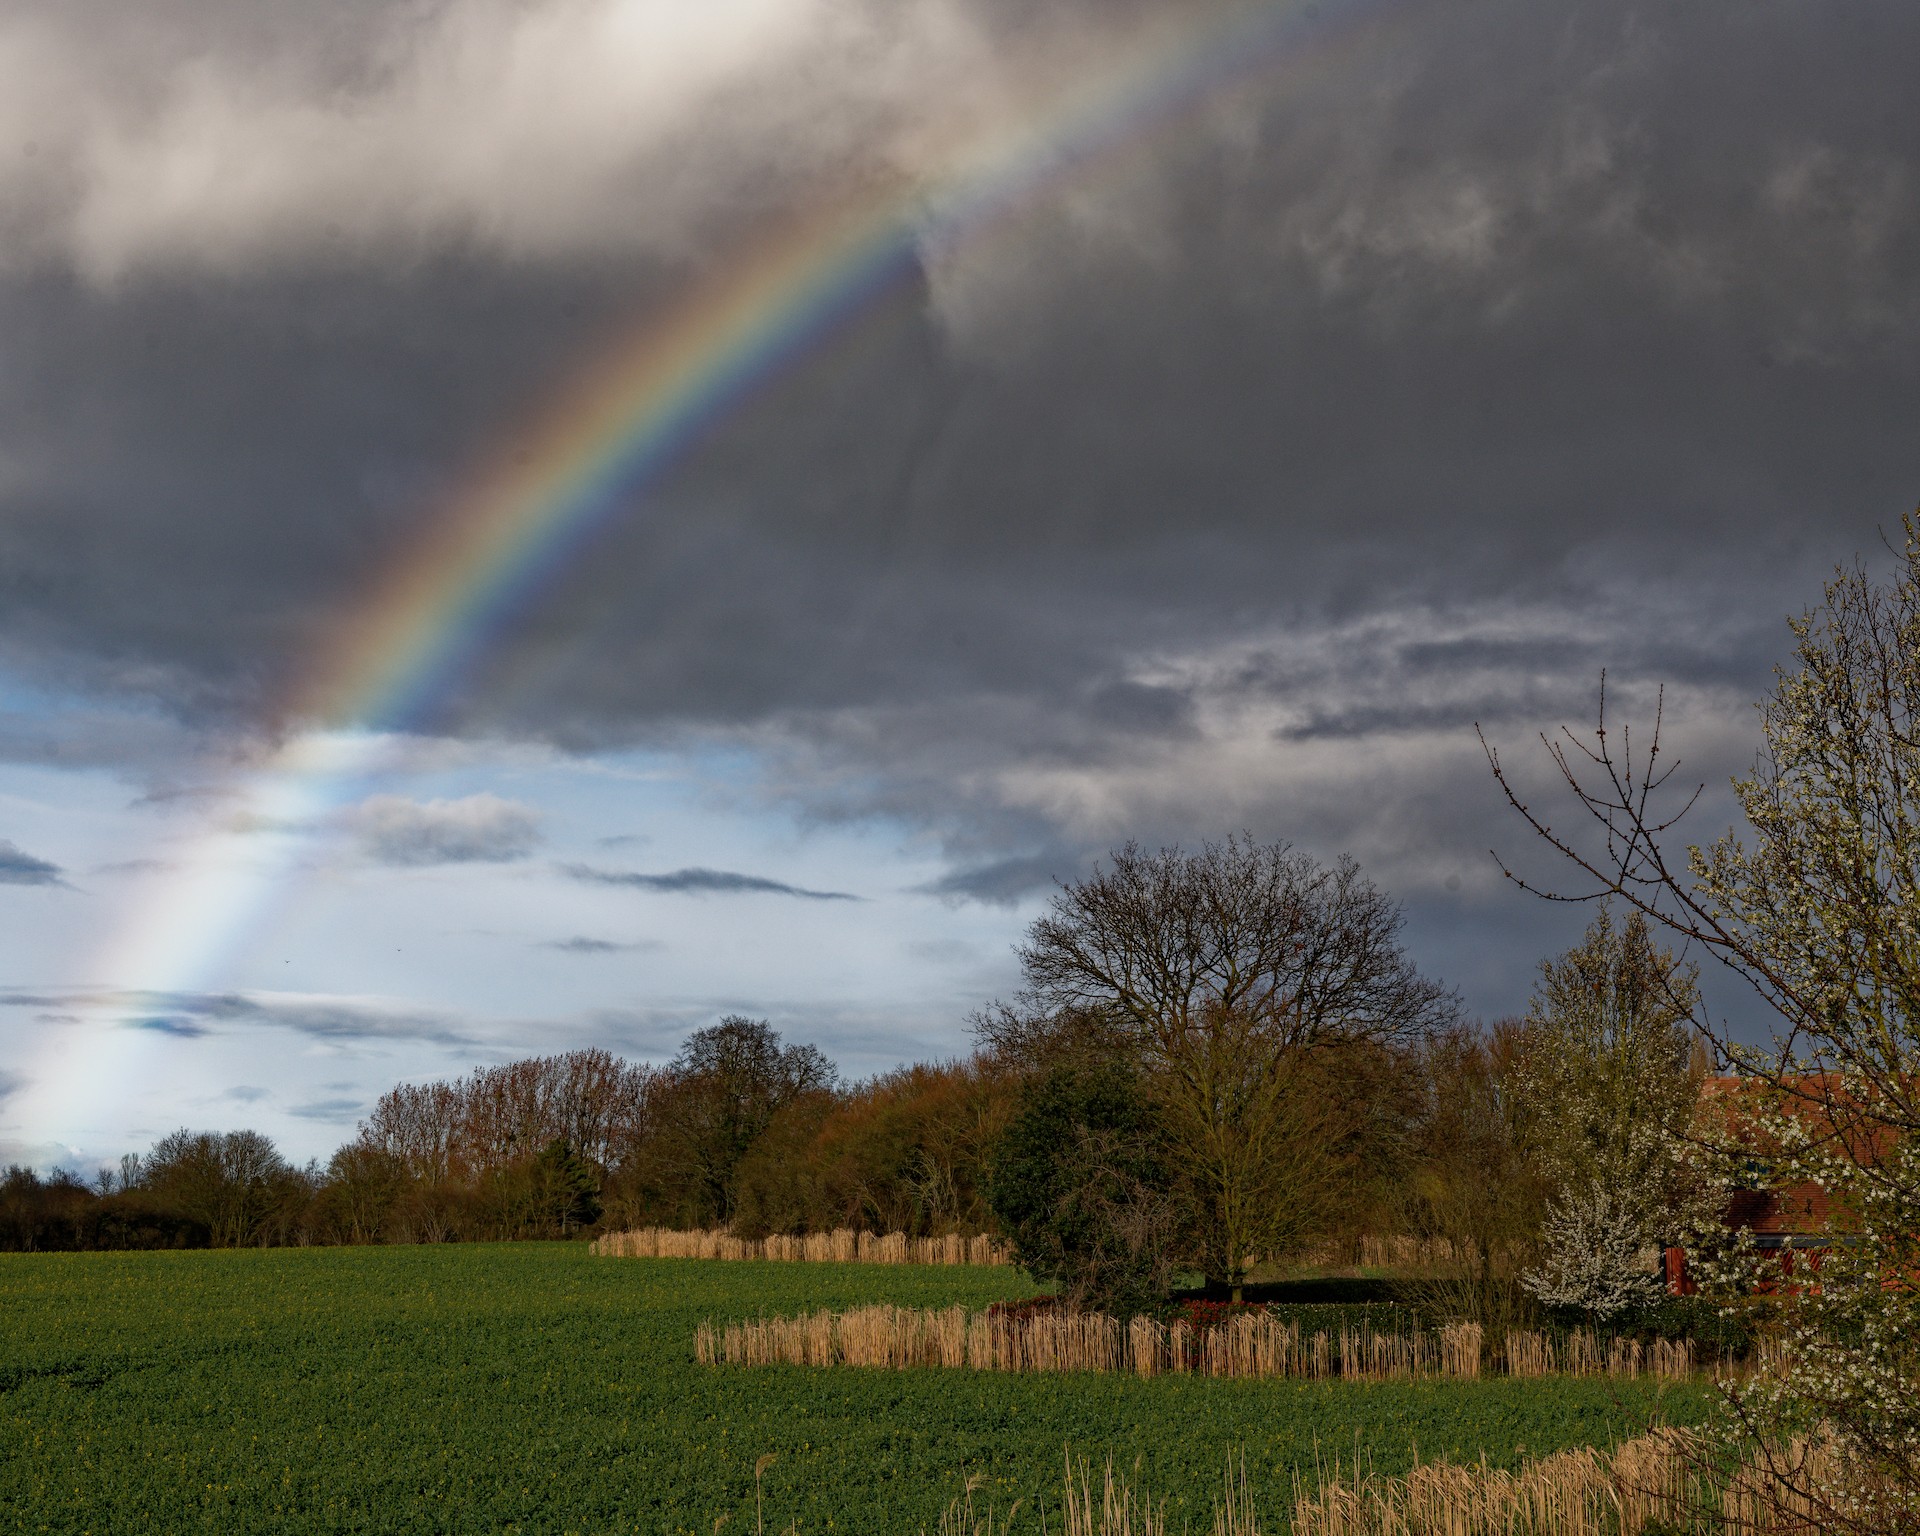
x: 1211, y: 1314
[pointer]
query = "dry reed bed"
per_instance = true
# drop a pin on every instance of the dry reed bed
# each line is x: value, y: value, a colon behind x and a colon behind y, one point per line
x: 840, y: 1247
x: 1253, y: 1345
x: 1659, y: 1482
x: 1581, y: 1353
x: 1114, y: 1508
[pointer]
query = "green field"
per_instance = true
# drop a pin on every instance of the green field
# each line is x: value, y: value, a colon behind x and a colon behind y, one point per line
x: 533, y: 1387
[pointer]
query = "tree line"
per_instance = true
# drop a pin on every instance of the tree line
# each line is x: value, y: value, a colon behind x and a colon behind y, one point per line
x: 740, y: 1129
x: 1219, y: 1058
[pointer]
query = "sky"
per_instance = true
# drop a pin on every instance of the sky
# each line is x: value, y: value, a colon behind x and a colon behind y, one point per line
x: 1155, y: 419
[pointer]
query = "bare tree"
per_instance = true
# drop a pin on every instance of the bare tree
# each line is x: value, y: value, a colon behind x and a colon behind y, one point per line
x: 1474, y: 1184
x: 232, y: 1181
x: 420, y: 1125
x: 363, y: 1183
x: 723, y: 1091
x: 1816, y: 906
x: 593, y: 1100
x: 497, y: 1116
x: 1221, y: 973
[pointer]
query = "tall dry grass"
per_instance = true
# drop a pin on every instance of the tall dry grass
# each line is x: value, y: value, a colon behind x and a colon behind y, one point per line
x: 844, y: 1246
x: 1112, y: 1506
x: 1659, y: 1482
x: 1118, y: 1510
x: 1252, y: 1345
x: 1583, y: 1353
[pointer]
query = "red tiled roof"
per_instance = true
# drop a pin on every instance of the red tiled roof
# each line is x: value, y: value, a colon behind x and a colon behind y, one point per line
x: 1823, y: 1106
x: 1800, y: 1210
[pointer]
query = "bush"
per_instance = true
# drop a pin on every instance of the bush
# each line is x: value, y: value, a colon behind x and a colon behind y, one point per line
x: 1079, y: 1186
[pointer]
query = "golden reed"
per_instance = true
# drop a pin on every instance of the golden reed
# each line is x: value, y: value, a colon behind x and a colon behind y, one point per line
x: 1110, y: 1507
x: 840, y: 1247
x: 1252, y: 1345
x: 1659, y: 1482
x: 1581, y: 1353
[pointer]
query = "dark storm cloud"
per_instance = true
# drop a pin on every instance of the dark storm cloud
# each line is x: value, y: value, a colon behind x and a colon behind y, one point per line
x: 1230, y: 490
x: 18, y: 867
x: 699, y: 882
x: 1394, y: 335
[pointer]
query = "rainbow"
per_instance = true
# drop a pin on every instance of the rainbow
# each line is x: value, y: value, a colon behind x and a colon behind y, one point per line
x: 629, y: 419
x: 587, y: 460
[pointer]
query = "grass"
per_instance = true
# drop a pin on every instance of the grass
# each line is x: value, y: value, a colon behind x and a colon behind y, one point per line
x: 534, y: 1388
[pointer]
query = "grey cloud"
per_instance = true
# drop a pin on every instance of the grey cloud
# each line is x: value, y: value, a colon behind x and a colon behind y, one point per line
x: 246, y: 1094
x: 170, y: 796
x: 1004, y: 882
x: 859, y: 1039
x: 326, y: 1018
x: 329, y: 1111
x: 652, y: 1033
x: 699, y: 882
x: 581, y: 945
x: 18, y: 867
x: 169, y: 1024
x: 483, y: 829
x: 10, y: 1084
x: 134, y: 741
x: 134, y: 867
x: 193, y: 1014
x: 944, y: 951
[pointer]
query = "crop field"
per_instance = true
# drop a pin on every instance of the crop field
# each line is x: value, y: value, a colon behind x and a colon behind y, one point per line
x: 536, y: 1388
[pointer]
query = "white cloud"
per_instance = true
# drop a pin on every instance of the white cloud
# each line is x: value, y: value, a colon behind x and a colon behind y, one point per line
x: 524, y: 129
x: 475, y: 829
